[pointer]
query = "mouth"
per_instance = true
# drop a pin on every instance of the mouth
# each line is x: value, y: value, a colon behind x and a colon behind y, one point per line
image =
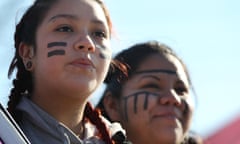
x: 167, y: 119
x: 83, y: 63
x: 168, y: 115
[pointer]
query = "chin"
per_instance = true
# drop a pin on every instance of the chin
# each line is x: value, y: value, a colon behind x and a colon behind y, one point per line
x: 169, y: 136
x: 80, y: 87
x: 169, y: 140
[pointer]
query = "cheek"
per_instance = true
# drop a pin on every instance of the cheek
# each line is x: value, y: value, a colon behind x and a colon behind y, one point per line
x: 188, y: 114
x: 131, y: 120
x: 49, y: 65
x: 103, y: 65
x: 137, y: 106
x: 105, y: 55
x: 190, y: 104
x: 104, y: 50
x: 103, y: 58
x: 101, y: 68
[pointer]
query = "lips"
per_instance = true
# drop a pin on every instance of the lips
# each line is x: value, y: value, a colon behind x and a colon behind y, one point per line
x: 82, y: 63
x: 167, y: 119
x: 168, y: 114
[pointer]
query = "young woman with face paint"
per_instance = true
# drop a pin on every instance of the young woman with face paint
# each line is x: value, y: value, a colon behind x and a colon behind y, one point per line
x: 148, y: 92
x: 62, y: 56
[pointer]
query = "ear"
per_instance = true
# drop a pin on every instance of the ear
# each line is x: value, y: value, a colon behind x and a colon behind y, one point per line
x: 26, y: 52
x: 112, y: 106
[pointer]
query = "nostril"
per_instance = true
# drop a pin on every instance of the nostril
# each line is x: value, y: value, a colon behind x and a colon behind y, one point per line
x: 90, y: 48
x: 84, y: 47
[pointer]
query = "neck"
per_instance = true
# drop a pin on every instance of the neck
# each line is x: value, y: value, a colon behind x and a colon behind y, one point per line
x: 64, y: 109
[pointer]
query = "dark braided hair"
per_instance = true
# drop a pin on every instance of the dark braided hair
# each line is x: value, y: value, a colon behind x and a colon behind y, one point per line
x: 93, y: 115
x: 25, y: 33
x: 23, y: 83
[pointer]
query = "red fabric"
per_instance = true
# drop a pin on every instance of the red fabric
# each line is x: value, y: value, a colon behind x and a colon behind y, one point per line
x: 230, y: 134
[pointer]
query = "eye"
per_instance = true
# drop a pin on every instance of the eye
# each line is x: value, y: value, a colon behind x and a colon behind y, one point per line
x: 181, y: 90
x: 150, y: 86
x: 99, y: 34
x: 64, y: 29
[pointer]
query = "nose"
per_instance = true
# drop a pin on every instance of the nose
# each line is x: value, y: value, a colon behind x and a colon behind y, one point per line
x: 85, y: 43
x: 170, y: 97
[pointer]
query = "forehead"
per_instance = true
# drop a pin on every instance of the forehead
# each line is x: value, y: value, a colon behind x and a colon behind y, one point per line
x: 157, y: 64
x: 81, y: 9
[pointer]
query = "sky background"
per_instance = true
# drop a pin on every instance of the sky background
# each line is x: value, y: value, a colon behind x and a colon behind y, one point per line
x: 204, y: 33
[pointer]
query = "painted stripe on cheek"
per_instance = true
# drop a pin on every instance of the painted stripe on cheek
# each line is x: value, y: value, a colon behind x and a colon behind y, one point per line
x: 102, y: 55
x: 56, y: 52
x: 135, y: 103
x: 146, y: 101
x: 53, y: 44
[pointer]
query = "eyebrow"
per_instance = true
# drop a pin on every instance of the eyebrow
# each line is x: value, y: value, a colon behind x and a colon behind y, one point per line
x: 67, y: 16
x: 73, y: 17
x: 96, y: 21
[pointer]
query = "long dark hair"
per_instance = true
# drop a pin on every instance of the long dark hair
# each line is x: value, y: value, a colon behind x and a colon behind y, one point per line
x: 25, y: 33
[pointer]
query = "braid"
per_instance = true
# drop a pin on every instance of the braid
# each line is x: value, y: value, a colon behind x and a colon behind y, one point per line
x: 21, y: 84
x: 94, y: 117
x: 25, y: 33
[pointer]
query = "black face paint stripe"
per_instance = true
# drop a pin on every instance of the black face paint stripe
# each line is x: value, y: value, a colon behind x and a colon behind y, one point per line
x: 157, y: 71
x: 56, y: 52
x: 102, y: 54
x: 135, y: 103
x: 136, y: 95
x: 125, y: 109
x: 145, y: 106
x: 53, y: 44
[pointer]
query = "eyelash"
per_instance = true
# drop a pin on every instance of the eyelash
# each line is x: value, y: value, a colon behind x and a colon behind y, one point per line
x: 99, y: 34
x: 181, y: 90
x: 151, y: 85
x: 64, y: 29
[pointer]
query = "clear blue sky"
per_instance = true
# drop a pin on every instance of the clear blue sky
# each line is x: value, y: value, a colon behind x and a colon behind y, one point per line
x: 205, y: 33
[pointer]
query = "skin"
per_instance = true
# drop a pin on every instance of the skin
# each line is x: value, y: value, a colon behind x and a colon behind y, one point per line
x: 154, y: 102
x: 68, y: 65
